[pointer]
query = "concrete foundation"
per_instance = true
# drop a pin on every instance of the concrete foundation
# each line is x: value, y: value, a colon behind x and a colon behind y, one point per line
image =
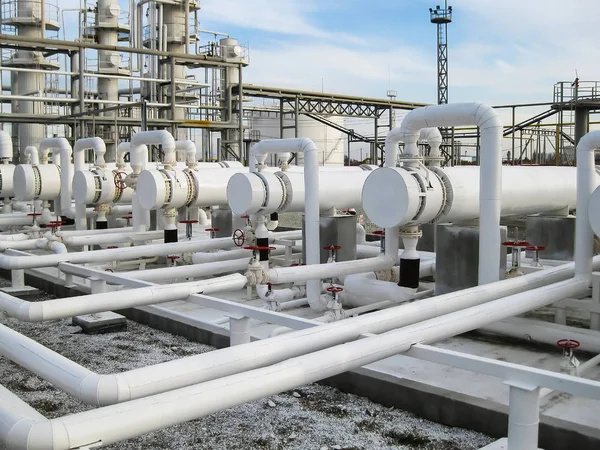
x: 105, y: 322
x: 336, y: 230
x: 21, y: 291
x: 222, y: 219
x: 557, y: 234
x: 457, y: 257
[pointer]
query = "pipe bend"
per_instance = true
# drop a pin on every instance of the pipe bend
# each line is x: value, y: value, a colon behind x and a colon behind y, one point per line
x: 42, y: 434
x: 103, y: 390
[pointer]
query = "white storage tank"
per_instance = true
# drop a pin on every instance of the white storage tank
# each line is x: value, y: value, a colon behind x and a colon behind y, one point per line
x: 332, y: 143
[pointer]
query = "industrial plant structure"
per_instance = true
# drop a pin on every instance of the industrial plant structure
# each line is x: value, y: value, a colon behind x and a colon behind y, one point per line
x: 139, y: 176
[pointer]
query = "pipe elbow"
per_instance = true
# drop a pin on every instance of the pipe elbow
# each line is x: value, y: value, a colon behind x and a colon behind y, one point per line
x: 306, y: 145
x: 6, y: 146
x: 27, y: 434
x: 487, y: 117
x: 102, y: 390
x: 589, y: 142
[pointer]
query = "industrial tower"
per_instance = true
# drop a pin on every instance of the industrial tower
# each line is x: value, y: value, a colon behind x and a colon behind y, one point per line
x: 442, y: 17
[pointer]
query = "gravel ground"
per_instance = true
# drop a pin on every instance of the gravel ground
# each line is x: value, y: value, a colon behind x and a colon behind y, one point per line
x: 311, y: 417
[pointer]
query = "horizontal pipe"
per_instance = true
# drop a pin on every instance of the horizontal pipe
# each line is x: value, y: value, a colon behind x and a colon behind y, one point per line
x: 126, y: 253
x: 108, y: 301
x: 114, y: 423
x: 186, y: 371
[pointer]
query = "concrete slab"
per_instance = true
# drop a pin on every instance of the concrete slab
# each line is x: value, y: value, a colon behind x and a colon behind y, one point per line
x: 500, y: 444
x: 21, y: 291
x: 105, y: 322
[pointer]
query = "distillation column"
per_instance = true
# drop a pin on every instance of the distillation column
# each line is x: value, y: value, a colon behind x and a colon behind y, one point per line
x: 109, y: 31
x: 31, y: 18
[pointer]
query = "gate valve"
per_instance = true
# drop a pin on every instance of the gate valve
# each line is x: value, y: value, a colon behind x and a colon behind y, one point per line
x: 54, y: 225
x: 334, y: 291
x: 332, y: 251
x: 568, y: 345
x: 34, y: 216
x: 128, y: 219
x: 239, y: 237
x: 119, y: 180
x: 212, y: 231
x: 189, y: 225
x: 516, y: 247
x: 173, y: 259
x: 537, y: 249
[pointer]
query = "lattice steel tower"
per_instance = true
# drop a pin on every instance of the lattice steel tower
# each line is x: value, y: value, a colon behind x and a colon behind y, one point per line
x: 442, y: 17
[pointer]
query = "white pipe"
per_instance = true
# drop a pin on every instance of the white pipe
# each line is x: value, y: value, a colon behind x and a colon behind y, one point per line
x: 108, y: 301
x: 105, y: 389
x: 227, y: 255
x: 278, y: 295
x: 434, y: 138
x: 488, y: 121
x: 14, y: 237
x: 122, y: 150
x: 190, y: 151
x: 586, y: 176
x: 189, y: 271
x: 114, y: 423
x: 126, y: 253
x: 32, y: 153
x: 111, y: 238
x: 311, y: 193
x: 155, y: 137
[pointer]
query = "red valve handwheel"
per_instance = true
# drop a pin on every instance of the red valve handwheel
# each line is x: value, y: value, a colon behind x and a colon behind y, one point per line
x: 119, y: 180
x: 188, y: 221
x: 568, y: 343
x: 379, y: 232
x: 334, y: 289
x: 332, y: 247
x: 238, y: 237
x: 211, y: 229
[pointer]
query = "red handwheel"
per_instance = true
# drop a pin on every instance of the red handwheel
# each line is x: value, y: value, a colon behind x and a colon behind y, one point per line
x: 119, y: 179
x: 238, y: 237
x: 568, y: 344
x: 335, y: 289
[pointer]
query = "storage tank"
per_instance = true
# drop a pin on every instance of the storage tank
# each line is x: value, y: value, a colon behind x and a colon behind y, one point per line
x: 332, y: 143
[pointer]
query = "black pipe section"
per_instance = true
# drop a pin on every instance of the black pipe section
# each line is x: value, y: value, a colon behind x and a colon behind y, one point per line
x: 409, y: 273
x: 101, y: 224
x: 264, y: 254
x: 170, y: 236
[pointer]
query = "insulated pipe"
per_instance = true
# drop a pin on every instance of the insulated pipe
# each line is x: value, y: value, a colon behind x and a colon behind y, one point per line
x: 488, y: 121
x: 434, y: 139
x: 190, y: 151
x: 108, y: 301
x: 189, y: 271
x: 32, y: 153
x: 311, y: 185
x: 113, y: 238
x: 126, y: 253
x: 122, y: 150
x: 155, y: 137
x: 114, y: 423
x: 586, y: 177
x: 150, y: 380
x: 227, y: 255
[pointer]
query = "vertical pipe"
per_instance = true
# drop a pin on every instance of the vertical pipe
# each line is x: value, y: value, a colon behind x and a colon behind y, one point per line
x: 239, y: 331
x: 81, y: 90
x: 512, y: 152
x: 523, y: 417
x: 240, y: 110
x: 376, y: 143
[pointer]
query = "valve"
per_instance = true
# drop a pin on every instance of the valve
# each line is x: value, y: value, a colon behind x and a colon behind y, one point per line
x: 54, y: 225
x: 537, y: 249
x: 257, y: 248
x: 173, y: 260
x: 335, y: 311
x: 569, y: 345
x: 332, y: 252
x: 189, y: 223
x: 127, y: 219
x: 34, y: 216
x: 212, y: 231
x: 516, y: 247
x: 239, y: 237
x: 119, y: 180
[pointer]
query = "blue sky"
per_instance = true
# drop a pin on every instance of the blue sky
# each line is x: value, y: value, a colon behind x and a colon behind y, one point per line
x: 500, y: 51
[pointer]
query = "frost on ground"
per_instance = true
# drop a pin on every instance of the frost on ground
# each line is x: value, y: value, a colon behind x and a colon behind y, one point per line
x: 310, y: 417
